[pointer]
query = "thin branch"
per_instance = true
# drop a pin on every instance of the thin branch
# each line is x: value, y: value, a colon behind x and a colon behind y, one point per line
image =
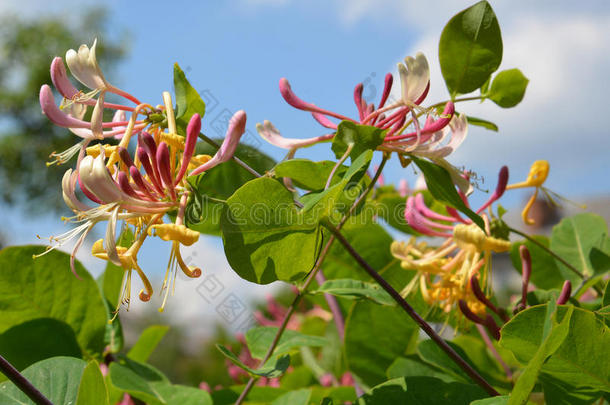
x: 476, y: 377
x: 310, y: 278
x: 556, y: 256
x: 235, y: 158
x: 22, y: 383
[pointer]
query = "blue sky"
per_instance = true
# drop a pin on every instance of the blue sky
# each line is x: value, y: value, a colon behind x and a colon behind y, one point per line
x: 236, y: 51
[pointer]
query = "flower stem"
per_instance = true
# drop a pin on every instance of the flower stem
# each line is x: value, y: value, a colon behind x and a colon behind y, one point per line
x: 235, y: 158
x: 556, y: 256
x: 310, y: 278
x: 476, y: 377
x: 291, y: 309
x: 22, y: 383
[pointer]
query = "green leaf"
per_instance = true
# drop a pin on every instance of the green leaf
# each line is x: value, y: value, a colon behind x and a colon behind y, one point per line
x: 480, y: 122
x: 432, y: 354
x: 335, y: 201
x: 188, y: 100
x: 147, y: 342
x: 182, y: 395
x: 421, y: 390
x: 508, y: 88
x: 275, y: 367
x: 138, y: 380
x: 501, y: 400
x: 355, y: 289
x: 573, y: 239
x: 57, y: 379
x: 413, y: 367
x: 374, y: 337
x: 581, y: 361
x: 441, y: 187
x: 46, y: 288
x: 259, y: 340
x: 362, y: 137
x: 23, y: 346
x: 606, y: 298
x: 298, y: 397
x: 559, y: 393
x: 265, y: 237
x: 309, y: 175
x: 548, y: 346
x: 202, y: 213
x: 92, y: 389
x: 470, y: 48
x: 371, y: 241
x: 258, y: 394
x: 545, y: 273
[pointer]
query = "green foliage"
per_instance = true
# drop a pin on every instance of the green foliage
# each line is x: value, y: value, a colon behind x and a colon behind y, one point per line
x: 574, y: 239
x: 298, y: 397
x: 309, y: 175
x: 260, y: 224
x: 421, y: 390
x: 147, y: 342
x: 470, y: 48
x: 355, y: 289
x: 92, y: 388
x: 508, y: 88
x: 22, y: 345
x: 545, y: 274
x: 480, y: 122
x: 580, y: 361
x: 275, y: 367
x: 552, y: 338
x: 360, y: 137
x: 441, y: 187
x: 188, y: 100
x: 57, y: 379
x: 413, y: 366
x: 45, y: 288
x: 259, y: 340
x: 202, y: 213
x: 375, y: 335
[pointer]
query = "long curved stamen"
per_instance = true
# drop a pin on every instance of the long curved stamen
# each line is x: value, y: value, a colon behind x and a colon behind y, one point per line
x: 434, y: 127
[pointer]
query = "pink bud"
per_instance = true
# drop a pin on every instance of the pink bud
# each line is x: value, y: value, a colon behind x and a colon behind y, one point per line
x: 192, y: 132
x: 565, y: 293
x: 163, y: 164
x: 387, y: 88
x: 237, y: 127
x: 358, y: 100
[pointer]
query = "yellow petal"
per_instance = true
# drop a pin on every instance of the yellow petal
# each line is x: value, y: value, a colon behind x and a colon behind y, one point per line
x: 178, y: 233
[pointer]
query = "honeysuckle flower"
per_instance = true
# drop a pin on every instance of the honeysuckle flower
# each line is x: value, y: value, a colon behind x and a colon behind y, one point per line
x: 443, y: 272
x: 84, y: 67
x: 415, y: 83
x: 414, y: 78
x: 137, y: 189
x: 536, y: 177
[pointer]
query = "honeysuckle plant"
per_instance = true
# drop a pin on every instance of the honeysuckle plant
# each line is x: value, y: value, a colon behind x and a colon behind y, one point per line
x: 351, y: 331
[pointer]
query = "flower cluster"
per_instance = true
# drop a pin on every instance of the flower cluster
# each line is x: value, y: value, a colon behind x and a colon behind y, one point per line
x: 444, y: 273
x: 138, y: 187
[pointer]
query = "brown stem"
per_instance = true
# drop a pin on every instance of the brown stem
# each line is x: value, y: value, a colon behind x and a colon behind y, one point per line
x: 310, y: 278
x: 22, y: 383
x: 476, y: 377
